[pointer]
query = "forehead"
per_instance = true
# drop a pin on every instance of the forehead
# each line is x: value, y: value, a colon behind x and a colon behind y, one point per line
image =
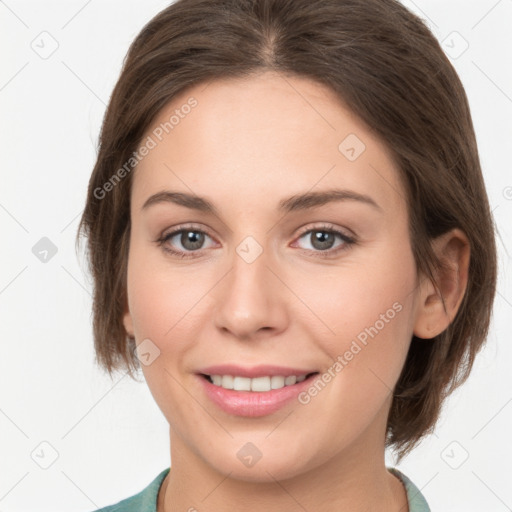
x: 262, y: 136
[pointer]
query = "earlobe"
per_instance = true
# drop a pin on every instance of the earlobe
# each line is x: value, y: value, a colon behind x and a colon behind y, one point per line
x: 437, y: 307
x: 128, y: 323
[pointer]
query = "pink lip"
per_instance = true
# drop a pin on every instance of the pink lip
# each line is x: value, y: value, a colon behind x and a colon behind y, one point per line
x: 255, y: 371
x: 253, y: 404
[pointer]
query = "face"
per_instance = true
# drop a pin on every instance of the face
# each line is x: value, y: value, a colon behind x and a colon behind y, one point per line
x: 238, y: 276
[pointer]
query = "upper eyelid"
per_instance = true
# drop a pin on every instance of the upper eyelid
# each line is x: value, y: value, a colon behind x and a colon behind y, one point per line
x: 324, y: 226
x: 179, y: 229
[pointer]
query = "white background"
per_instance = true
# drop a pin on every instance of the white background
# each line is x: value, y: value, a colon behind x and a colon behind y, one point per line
x: 110, y: 437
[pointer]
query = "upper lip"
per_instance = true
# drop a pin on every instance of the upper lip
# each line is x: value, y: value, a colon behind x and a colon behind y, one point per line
x: 254, y: 371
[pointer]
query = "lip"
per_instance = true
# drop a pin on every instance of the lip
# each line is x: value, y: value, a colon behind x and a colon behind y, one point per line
x: 255, y: 371
x: 253, y: 404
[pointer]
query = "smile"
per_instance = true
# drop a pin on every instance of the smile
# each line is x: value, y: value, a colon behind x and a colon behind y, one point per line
x: 257, y: 384
x: 253, y: 392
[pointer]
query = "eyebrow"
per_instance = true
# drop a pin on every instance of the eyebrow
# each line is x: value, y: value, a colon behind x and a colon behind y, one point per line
x: 298, y: 202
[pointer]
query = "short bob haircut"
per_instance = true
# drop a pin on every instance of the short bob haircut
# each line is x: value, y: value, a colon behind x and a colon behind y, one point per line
x: 383, y: 62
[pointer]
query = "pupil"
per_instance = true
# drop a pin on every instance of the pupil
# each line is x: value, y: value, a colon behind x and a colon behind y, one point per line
x: 322, y: 238
x: 192, y: 237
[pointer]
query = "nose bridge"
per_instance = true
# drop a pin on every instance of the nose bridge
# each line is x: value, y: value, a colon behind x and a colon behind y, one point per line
x: 249, y: 282
x: 249, y: 299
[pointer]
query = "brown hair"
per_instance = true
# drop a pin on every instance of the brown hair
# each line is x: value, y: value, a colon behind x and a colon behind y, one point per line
x: 387, y: 66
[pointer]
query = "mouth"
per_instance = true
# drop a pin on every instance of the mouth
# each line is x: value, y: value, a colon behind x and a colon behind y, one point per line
x: 253, y: 392
x: 261, y: 384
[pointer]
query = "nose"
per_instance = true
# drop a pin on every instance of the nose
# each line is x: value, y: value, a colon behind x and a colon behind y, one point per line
x: 251, y: 302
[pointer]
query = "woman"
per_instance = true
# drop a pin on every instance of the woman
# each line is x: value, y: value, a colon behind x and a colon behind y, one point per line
x: 288, y: 227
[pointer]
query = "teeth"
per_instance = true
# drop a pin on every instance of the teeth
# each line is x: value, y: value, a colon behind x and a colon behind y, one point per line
x: 241, y: 383
x: 226, y: 381
x: 277, y: 382
x: 261, y: 384
x: 217, y: 380
x: 290, y: 380
x: 258, y: 384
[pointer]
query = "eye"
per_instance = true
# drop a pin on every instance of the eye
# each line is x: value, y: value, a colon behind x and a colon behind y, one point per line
x: 323, y: 238
x: 190, y: 239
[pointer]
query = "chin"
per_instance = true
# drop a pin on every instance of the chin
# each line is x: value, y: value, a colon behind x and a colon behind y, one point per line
x: 247, y: 463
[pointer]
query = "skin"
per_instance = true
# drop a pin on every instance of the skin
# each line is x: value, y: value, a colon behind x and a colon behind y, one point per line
x: 248, y: 144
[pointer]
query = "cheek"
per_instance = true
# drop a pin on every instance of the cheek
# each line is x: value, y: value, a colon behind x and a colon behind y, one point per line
x: 364, y: 315
x: 348, y: 301
x: 370, y: 315
x: 161, y: 301
x: 162, y: 298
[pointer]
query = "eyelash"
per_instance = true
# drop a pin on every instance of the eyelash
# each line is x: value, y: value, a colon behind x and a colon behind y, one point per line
x: 325, y: 228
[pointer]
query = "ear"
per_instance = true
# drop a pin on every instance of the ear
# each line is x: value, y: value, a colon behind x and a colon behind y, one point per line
x: 436, y: 309
x: 127, y: 321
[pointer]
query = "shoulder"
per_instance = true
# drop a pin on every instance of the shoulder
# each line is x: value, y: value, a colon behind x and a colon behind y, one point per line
x: 416, y: 500
x: 144, y: 501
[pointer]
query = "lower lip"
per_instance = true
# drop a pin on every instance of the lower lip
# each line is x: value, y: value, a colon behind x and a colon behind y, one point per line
x: 253, y: 403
